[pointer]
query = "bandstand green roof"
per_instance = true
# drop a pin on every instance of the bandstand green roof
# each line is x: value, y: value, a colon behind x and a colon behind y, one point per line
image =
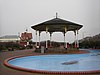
x: 57, y: 25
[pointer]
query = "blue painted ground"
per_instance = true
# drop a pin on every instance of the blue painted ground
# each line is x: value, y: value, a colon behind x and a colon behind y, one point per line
x: 86, y: 62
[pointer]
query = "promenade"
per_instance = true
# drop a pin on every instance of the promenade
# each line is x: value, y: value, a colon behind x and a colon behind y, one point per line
x: 8, y: 71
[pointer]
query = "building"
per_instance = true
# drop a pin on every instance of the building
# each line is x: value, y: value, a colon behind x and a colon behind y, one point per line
x: 25, y: 38
x: 10, y: 38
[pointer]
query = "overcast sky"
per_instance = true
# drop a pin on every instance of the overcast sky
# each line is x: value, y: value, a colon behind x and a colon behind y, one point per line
x: 17, y: 15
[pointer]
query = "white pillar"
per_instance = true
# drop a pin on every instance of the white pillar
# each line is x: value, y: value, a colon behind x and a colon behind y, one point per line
x: 77, y: 40
x: 46, y: 38
x: 50, y: 38
x: 36, y: 38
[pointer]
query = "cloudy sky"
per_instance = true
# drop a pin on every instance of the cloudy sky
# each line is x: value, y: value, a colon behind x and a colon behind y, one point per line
x: 17, y: 15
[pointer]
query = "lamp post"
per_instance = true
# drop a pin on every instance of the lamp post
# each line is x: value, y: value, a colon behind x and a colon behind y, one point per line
x: 65, y: 37
x: 39, y: 38
x: 75, y: 45
x: 36, y: 38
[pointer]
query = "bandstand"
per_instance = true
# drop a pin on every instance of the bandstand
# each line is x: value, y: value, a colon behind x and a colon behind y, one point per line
x: 57, y: 25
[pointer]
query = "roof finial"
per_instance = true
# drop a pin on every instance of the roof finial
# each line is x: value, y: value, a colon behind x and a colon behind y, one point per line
x: 56, y: 14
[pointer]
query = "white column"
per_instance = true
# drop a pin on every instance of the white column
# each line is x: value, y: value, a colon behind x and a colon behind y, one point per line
x: 46, y: 38
x: 50, y: 38
x: 77, y: 40
x: 36, y: 38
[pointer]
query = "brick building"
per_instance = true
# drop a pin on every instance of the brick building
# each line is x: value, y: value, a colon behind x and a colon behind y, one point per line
x: 25, y: 38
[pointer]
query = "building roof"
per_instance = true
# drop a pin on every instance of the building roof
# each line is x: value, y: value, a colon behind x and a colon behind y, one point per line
x: 57, y: 24
x: 9, y: 36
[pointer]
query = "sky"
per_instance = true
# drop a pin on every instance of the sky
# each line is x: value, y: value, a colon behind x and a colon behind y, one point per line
x: 18, y: 15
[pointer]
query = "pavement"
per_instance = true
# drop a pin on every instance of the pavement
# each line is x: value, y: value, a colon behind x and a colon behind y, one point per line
x: 8, y: 71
